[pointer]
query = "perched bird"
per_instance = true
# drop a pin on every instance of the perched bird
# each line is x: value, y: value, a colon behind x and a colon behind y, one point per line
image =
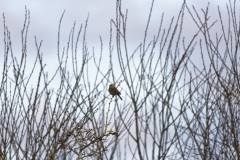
x: 113, y: 91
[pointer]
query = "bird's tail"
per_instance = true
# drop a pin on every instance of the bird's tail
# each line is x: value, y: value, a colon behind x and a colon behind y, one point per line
x: 120, y: 97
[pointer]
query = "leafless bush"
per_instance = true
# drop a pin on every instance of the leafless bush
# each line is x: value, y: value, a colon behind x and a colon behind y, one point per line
x: 172, y: 108
x: 50, y: 123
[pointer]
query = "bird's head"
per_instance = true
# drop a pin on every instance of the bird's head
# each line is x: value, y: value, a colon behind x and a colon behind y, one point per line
x: 111, y: 85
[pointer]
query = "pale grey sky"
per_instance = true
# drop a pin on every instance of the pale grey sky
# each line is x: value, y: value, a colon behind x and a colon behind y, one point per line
x: 45, y: 16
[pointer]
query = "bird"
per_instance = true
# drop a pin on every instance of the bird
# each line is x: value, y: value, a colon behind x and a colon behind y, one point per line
x: 113, y: 91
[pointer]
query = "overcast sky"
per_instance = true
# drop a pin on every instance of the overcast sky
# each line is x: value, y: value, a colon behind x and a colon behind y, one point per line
x: 45, y: 16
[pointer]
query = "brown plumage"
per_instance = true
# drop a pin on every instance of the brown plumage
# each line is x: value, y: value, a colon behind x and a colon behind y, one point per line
x: 113, y: 91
